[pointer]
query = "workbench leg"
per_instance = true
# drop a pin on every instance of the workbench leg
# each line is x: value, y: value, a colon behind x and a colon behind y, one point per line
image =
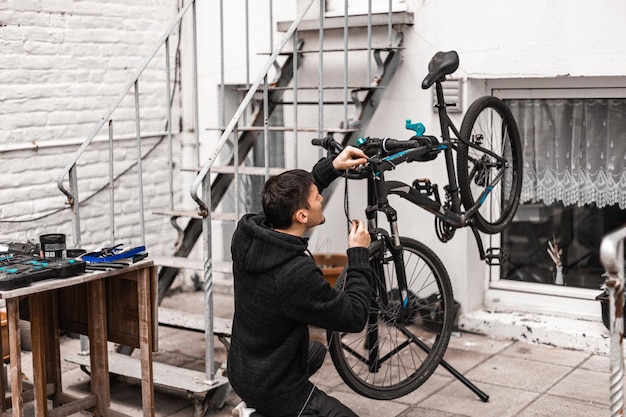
x: 15, y: 352
x: 52, y: 344
x: 37, y: 324
x: 98, y: 347
x: 3, y: 388
x: 145, y: 279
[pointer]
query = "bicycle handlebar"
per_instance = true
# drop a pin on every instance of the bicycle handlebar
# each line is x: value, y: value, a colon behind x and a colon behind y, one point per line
x: 386, y: 153
x: 328, y: 143
x: 388, y: 145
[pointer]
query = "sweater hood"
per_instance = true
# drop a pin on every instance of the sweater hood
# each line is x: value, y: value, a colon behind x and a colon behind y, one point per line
x: 258, y: 248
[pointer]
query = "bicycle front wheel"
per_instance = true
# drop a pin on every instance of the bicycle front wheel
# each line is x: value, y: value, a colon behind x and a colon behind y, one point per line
x: 396, y: 353
x: 490, y: 168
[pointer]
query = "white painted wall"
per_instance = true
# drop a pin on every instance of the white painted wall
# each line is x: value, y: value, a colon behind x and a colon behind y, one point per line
x: 61, y: 57
x: 505, y: 40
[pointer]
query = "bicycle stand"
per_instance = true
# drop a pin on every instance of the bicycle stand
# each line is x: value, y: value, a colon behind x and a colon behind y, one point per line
x: 484, y: 397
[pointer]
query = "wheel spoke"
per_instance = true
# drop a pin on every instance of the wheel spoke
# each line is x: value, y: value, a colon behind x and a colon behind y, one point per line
x: 385, y: 360
x: 489, y: 169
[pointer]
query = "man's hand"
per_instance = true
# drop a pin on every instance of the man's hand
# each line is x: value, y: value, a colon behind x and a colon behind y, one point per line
x: 350, y: 157
x: 359, y: 236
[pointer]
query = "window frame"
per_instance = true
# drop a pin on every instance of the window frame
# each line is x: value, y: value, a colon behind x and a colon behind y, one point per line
x: 506, y: 295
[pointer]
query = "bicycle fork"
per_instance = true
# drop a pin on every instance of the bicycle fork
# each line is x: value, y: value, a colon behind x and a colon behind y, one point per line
x: 392, y: 242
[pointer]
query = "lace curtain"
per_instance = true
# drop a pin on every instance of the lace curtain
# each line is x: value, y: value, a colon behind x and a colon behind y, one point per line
x: 574, y: 150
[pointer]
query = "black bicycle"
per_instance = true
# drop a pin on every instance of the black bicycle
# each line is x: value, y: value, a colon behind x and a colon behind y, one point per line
x: 413, y: 308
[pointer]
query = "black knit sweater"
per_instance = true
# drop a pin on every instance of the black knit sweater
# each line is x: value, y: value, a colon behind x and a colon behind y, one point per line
x: 279, y: 291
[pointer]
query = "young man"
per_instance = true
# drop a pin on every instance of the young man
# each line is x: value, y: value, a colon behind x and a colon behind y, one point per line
x: 279, y: 292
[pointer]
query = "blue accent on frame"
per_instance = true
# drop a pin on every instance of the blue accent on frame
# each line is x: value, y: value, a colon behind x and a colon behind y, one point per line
x: 489, y: 189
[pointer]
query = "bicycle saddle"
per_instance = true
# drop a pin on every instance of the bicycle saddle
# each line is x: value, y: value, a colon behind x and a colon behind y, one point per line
x: 442, y: 64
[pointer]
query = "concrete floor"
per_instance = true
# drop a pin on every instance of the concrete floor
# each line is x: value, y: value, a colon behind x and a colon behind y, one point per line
x: 521, y: 379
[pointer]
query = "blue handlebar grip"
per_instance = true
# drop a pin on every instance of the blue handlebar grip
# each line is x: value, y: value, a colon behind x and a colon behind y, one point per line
x: 360, y: 141
x: 418, y: 127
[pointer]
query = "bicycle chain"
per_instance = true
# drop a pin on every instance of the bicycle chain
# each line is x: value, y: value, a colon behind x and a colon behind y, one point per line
x: 443, y: 229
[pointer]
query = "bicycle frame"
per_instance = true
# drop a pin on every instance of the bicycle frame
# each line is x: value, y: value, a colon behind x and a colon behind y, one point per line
x: 379, y: 188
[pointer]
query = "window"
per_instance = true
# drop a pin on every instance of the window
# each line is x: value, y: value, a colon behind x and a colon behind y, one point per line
x: 575, y: 230
x: 574, y: 193
x: 574, y: 187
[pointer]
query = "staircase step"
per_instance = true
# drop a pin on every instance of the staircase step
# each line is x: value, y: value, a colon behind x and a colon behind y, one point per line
x: 193, y: 264
x: 287, y: 129
x: 194, y: 322
x: 166, y: 376
x: 230, y: 169
x: 314, y: 87
x: 349, y: 49
x: 230, y: 217
x: 179, y: 213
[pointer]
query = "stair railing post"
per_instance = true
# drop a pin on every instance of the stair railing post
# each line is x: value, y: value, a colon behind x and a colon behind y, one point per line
x: 196, y: 105
x: 111, y: 187
x: 612, y: 257
x: 369, y: 42
x: 139, y: 164
x: 170, y: 158
x: 75, y: 204
x: 266, y: 129
x: 295, y: 98
x: 208, y: 282
x: 345, y: 65
x: 320, y: 91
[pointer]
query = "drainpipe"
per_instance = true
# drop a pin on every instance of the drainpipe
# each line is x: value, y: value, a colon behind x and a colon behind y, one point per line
x: 612, y: 257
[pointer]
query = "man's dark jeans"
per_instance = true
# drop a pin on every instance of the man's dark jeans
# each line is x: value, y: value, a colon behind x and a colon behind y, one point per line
x: 319, y: 404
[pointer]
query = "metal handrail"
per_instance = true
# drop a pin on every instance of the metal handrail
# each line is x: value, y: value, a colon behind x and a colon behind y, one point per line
x: 204, y: 172
x: 203, y: 180
x: 612, y: 257
x: 70, y: 168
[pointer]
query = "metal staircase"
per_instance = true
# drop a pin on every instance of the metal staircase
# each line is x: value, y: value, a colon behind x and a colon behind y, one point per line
x: 286, y: 84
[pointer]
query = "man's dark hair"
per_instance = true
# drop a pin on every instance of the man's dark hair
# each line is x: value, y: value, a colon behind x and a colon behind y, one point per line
x: 284, y: 194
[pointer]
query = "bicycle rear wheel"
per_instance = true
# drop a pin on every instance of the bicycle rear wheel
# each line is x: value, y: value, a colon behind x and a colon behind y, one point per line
x: 393, y: 356
x: 490, y: 171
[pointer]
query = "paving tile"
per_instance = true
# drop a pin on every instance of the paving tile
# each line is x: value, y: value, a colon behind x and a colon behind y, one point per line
x: 478, y: 343
x: 456, y: 399
x: 431, y: 387
x: 550, y: 406
x: 522, y: 380
x: 366, y: 407
x: 462, y: 360
x: 421, y: 412
x: 583, y: 384
x: 598, y: 363
x: 518, y: 373
x: 548, y: 354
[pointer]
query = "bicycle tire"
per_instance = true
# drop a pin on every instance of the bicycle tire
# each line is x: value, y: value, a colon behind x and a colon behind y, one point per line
x: 490, y: 124
x: 385, y: 361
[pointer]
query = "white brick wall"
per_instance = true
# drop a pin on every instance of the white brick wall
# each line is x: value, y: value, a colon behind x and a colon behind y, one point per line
x: 64, y: 62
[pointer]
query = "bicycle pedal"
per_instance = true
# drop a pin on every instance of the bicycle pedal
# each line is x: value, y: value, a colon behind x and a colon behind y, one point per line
x: 424, y: 186
x: 495, y: 256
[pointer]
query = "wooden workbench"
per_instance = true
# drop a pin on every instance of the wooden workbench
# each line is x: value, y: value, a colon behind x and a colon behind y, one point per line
x: 117, y: 305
